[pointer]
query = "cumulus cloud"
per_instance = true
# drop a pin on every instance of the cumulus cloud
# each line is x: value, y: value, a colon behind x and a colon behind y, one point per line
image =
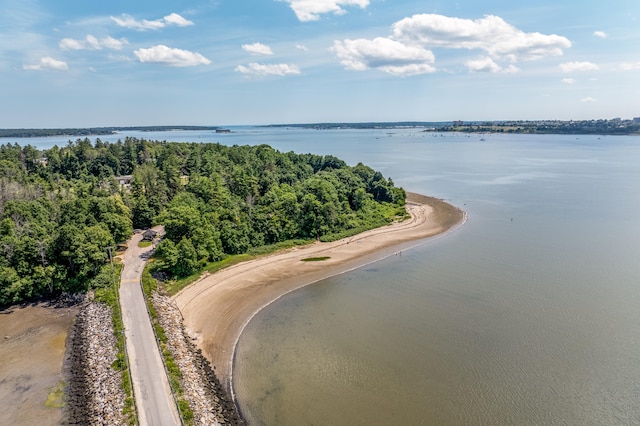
x: 310, y: 10
x: 568, y: 81
x: 483, y: 65
x: 129, y: 21
x: 569, y: 67
x: 257, y: 49
x: 164, y: 55
x: 48, y: 63
x: 407, y: 50
x: 90, y: 42
x: 175, y: 19
x: 112, y: 43
x: 384, y: 54
x: 486, y: 64
x: 490, y: 33
x: 600, y: 34
x: 587, y: 100
x: 268, y: 69
x: 302, y: 47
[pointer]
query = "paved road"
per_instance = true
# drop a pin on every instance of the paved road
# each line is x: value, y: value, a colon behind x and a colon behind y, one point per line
x: 154, y: 401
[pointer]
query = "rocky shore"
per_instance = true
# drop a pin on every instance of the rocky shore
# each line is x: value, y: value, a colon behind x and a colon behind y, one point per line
x: 94, y: 389
x: 94, y: 392
x: 208, y: 400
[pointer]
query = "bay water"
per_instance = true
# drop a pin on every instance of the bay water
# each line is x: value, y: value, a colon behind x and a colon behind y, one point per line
x: 528, y: 314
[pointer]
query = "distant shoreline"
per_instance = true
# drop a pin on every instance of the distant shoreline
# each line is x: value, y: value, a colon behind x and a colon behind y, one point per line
x: 217, y: 308
x: 95, y: 131
x: 540, y: 127
x: 615, y: 126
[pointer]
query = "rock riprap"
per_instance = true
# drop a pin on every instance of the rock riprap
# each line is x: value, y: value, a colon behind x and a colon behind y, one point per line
x: 94, y: 388
x: 207, y: 399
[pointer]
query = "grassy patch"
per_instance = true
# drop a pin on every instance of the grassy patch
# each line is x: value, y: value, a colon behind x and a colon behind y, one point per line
x: 387, y: 213
x: 56, y: 397
x: 143, y: 244
x: 271, y: 248
x: 316, y: 259
x: 174, y: 286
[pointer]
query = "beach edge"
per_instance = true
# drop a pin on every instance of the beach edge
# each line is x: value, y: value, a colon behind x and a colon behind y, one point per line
x: 217, y: 308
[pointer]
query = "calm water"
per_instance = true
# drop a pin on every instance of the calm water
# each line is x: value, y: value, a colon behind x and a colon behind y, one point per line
x: 529, y: 314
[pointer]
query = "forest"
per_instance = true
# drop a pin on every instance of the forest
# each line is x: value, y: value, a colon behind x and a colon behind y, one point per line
x: 63, y: 210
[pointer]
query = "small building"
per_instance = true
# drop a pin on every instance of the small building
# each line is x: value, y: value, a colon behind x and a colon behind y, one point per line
x: 124, y: 181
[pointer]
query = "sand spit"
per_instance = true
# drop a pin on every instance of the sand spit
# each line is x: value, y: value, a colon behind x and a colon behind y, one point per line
x: 217, y: 308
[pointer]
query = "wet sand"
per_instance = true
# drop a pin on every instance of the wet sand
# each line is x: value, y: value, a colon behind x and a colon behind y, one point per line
x: 31, y: 360
x: 217, y: 308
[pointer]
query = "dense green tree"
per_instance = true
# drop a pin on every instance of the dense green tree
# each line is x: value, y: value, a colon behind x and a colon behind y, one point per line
x: 61, y: 208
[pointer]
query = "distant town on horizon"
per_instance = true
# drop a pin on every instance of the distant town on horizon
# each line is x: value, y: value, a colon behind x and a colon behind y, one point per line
x: 615, y: 126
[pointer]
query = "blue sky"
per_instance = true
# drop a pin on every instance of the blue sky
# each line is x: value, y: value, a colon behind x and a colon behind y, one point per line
x: 77, y: 63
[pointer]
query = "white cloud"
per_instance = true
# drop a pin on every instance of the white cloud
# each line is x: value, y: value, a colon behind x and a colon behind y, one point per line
x: 310, y: 10
x: 268, y: 69
x: 630, y: 66
x: 129, y: 21
x: 600, y: 34
x: 568, y: 80
x: 511, y: 69
x: 384, y: 54
x: 119, y: 58
x: 161, y: 54
x: 486, y: 64
x: 92, y: 43
x: 71, y: 44
x: 48, y: 63
x: 588, y: 99
x: 175, y: 19
x: 483, y: 65
x: 568, y: 67
x: 257, y: 49
x: 491, y: 34
x: 302, y: 47
x: 112, y: 43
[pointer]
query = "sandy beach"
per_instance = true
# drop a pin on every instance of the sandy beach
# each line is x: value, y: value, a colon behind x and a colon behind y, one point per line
x: 217, y: 308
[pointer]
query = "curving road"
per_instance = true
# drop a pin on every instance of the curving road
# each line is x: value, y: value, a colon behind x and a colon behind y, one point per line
x: 154, y: 400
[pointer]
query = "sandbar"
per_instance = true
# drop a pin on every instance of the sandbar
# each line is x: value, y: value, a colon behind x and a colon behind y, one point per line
x: 218, y: 307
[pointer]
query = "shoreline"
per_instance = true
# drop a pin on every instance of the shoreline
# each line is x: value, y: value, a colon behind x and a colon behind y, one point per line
x: 217, y: 308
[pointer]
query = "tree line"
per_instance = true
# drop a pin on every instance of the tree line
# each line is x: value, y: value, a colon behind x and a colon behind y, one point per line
x: 62, y: 209
x: 91, y: 131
